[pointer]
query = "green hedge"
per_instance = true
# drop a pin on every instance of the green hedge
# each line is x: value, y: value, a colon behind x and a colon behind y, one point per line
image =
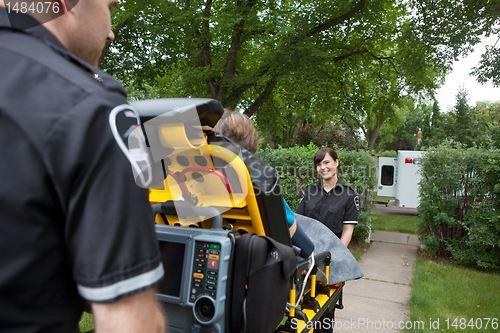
x: 296, y: 168
x: 460, y: 205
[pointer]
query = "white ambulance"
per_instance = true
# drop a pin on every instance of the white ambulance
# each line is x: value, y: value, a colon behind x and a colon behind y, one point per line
x: 399, y: 177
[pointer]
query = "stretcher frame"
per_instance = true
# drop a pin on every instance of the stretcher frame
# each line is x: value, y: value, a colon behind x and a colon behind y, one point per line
x: 186, y: 171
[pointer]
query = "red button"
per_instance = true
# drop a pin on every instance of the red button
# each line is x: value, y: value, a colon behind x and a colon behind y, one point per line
x: 213, y: 263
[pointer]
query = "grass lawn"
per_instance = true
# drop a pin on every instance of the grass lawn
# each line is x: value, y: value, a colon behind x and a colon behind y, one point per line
x: 401, y: 223
x: 86, y: 322
x: 454, y: 295
x: 376, y: 198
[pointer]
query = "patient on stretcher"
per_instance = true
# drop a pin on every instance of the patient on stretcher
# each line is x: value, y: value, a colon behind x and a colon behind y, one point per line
x: 239, y: 128
x: 307, y: 234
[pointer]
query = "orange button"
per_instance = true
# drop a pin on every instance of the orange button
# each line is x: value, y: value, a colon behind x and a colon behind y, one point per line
x: 198, y: 275
x: 212, y: 256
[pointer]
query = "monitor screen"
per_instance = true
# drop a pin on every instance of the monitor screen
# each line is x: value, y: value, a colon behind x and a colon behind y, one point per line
x: 172, y: 257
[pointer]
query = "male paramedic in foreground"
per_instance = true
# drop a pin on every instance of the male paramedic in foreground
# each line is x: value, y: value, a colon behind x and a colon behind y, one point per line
x: 74, y: 226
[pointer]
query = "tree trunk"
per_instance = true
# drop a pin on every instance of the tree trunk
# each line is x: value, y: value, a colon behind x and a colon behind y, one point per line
x: 271, y: 141
x: 372, y: 135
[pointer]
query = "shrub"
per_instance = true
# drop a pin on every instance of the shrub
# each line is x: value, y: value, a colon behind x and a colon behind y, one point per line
x: 460, y: 205
x: 297, y: 171
x: 329, y: 135
x: 389, y: 153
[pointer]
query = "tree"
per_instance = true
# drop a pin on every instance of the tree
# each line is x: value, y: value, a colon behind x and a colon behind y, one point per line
x: 462, y: 129
x: 349, y: 58
x: 435, y: 127
x: 404, y: 136
x: 453, y: 27
x: 487, y: 123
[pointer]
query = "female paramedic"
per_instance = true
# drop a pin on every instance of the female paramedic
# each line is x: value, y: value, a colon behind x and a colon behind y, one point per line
x: 239, y: 128
x: 334, y: 204
x: 330, y: 201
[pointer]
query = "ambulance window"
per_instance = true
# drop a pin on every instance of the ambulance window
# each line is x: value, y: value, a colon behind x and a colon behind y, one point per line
x: 387, y: 175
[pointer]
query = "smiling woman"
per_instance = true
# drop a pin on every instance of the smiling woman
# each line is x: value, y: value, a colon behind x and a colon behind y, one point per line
x: 330, y: 201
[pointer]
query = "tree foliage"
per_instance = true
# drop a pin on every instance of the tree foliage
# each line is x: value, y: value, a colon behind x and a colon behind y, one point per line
x: 350, y: 58
x: 453, y: 27
x: 359, y: 61
x: 330, y: 135
x: 463, y: 125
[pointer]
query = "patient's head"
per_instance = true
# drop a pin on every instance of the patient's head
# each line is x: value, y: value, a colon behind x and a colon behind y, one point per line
x: 239, y: 128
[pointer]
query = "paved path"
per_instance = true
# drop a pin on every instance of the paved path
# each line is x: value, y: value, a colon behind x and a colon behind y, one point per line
x: 378, y: 301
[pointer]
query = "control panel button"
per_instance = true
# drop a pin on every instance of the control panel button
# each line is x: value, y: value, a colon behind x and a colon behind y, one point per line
x: 198, y: 275
x: 215, y: 246
x: 213, y: 263
x: 213, y: 256
x: 211, y: 287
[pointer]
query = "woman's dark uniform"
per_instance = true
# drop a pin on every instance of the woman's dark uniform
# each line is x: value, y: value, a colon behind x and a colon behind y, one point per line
x: 335, y: 208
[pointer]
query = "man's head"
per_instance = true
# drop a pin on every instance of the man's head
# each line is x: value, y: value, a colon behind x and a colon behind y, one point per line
x: 89, y: 27
x: 84, y: 27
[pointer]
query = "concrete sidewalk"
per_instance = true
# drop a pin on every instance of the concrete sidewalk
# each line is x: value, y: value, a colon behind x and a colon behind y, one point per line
x: 378, y: 301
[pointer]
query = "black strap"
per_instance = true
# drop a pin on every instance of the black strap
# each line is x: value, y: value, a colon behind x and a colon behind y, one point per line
x: 242, y: 252
x: 244, y: 262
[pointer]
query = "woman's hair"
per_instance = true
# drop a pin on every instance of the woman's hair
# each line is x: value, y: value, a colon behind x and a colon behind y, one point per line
x: 320, y: 155
x: 239, y: 128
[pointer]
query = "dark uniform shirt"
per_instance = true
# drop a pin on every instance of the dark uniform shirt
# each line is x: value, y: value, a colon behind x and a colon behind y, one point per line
x: 73, y: 223
x: 335, y: 208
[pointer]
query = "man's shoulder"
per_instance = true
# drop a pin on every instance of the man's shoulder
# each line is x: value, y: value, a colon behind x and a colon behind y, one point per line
x: 51, y: 82
x: 62, y: 70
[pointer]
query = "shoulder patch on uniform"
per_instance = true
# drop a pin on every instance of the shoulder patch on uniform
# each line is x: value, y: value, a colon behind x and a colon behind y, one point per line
x: 356, y: 202
x: 125, y: 126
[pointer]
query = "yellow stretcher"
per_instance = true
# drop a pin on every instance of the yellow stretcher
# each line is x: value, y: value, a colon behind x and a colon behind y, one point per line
x: 194, y: 166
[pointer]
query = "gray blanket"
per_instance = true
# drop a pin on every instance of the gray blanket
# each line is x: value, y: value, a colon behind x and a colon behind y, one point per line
x: 343, y: 266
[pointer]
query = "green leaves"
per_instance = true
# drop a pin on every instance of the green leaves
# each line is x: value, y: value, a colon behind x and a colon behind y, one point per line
x: 328, y: 58
x: 460, y: 205
x: 284, y: 61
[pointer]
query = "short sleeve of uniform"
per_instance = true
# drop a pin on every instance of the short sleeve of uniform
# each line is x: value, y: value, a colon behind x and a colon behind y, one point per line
x: 352, y: 208
x: 109, y: 226
x: 290, y: 216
